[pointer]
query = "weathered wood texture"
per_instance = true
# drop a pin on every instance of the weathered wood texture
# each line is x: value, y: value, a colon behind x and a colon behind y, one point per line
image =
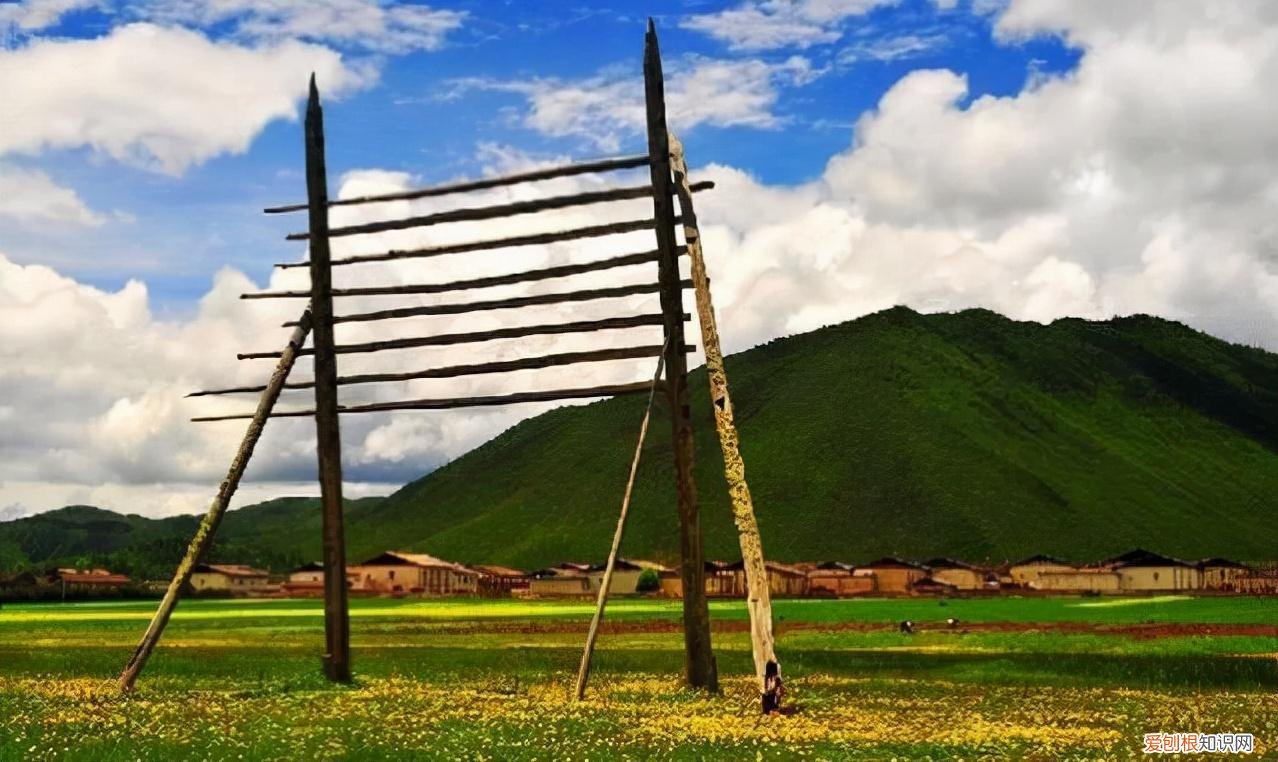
x: 701, y: 671
x: 583, y: 670
x: 459, y: 402
x: 758, y: 601
x: 567, y: 170
x: 532, y: 239
x: 203, y: 538
x: 475, y: 369
x: 585, y: 295
x: 337, y: 657
x: 447, y: 339
x: 527, y: 276
x: 497, y: 211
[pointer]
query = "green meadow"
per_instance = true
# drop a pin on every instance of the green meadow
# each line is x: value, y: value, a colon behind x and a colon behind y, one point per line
x: 1033, y: 677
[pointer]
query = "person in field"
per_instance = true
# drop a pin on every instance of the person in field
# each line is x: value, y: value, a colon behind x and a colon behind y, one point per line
x: 773, y: 690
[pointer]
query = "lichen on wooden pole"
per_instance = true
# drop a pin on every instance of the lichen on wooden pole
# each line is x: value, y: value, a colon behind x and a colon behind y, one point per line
x: 700, y: 668
x: 208, y: 525
x: 337, y: 655
x: 759, y: 600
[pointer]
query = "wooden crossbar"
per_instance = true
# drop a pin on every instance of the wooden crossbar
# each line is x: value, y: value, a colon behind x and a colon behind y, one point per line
x: 459, y: 402
x: 572, y: 234
x: 478, y: 213
x: 585, y: 295
x: 560, y: 271
x: 567, y: 170
x: 448, y: 339
x: 476, y: 369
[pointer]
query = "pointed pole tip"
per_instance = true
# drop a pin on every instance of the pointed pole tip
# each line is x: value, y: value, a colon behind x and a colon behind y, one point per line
x: 652, y: 26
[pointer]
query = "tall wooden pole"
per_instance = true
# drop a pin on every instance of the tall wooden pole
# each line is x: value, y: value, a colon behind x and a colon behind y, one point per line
x: 208, y: 525
x: 337, y: 656
x: 759, y: 598
x: 700, y: 666
x: 601, y: 601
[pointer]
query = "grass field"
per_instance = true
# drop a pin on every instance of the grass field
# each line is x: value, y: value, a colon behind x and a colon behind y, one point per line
x: 1042, y: 678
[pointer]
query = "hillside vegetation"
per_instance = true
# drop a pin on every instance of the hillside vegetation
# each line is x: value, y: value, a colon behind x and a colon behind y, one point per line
x: 962, y: 434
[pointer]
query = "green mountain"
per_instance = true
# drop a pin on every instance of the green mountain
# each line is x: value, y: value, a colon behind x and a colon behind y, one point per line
x: 963, y: 434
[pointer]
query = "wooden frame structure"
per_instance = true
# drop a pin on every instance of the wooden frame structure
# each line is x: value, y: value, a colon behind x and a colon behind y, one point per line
x: 668, y: 182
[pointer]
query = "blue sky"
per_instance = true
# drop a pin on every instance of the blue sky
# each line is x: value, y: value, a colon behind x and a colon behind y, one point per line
x: 1040, y: 158
x: 177, y: 230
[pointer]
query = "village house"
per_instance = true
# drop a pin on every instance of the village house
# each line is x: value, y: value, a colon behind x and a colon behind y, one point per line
x: 499, y: 581
x: 784, y: 580
x: 88, y: 579
x: 932, y: 586
x: 237, y: 579
x: 418, y: 573
x: 1142, y: 570
x: 1262, y: 581
x: 625, y: 575
x: 312, y: 572
x: 961, y: 575
x: 307, y: 581
x: 893, y: 575
x: 565, y: 579
x: 727, y: 579
x: 1026, y: 573
x: 1221, y: 573
x: 1082, y: 579
x: 722, y: 581
x: 839, y: 580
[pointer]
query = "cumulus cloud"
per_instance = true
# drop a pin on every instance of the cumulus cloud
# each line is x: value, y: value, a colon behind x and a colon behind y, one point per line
x: 32, y: 198
x: 97, y: 381
x: 368, y: 24
x: 1141, y: 182
x: 771, y: 24
x: 609, y: 107
x: 162, y: 98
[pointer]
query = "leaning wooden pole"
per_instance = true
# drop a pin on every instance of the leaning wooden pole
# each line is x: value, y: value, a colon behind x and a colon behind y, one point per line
x: 208, y: 525
x: 583, y: 671
x: 700, y: 668
x: 337, y: 656
x: 759, y: 599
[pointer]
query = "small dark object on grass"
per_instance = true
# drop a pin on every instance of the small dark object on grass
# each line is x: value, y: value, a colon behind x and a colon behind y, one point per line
x: 773, y: 690
x: 952, y: 623
x: 907, y: 627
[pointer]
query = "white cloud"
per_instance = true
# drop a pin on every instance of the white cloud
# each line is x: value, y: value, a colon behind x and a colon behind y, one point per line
x: 163, y: 98
x: 608, y: 108
x: 368, y: 24
x: 33, y: 15
x: 32, y: 198
x: 771, y: 24
x: 1142, y: 182
x: 892, y: 48
x: 97, y: 382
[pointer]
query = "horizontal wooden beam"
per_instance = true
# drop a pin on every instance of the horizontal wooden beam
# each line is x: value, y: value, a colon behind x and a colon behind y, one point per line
x: 532, y: 239
x: 476, y: 369
x: 567, y: 170
x: 560, y: 271
x: 459, y: 402
x: 478, y: 213
x: 448, y: 339
x: 585, y: 295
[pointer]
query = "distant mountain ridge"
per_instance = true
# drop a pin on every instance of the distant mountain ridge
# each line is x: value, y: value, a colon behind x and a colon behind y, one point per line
x: 957, y: 434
